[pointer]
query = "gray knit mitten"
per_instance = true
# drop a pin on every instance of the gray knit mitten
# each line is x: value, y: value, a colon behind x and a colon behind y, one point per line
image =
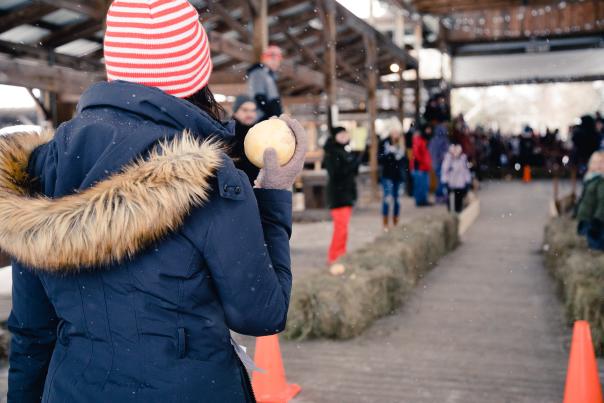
x: 273, y: 176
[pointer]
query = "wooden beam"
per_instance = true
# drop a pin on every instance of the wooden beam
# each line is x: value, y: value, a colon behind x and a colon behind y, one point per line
x: 382, y: 41
x: 524, y: 22
x: 400, y: 94
x: 418, y: 80
x: 311, y: 57
x: 219, y: 44
x: 27, y: 15
x: 260, y: 36
x: 71, y: 33
x: 372, y: 82
x: 297, y: 20
x: 21, y: 50
x: 96, y: 9
x: 229, y: 20
x: 328, y: 15
x: 449, y: 6
x: 36, y: 74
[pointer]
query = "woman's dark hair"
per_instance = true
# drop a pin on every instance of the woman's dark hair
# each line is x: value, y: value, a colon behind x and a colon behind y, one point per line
x: 204, y: 100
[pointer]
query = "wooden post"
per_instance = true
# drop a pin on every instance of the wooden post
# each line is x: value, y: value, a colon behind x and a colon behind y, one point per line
x: 330, y: 31
x: 418, y: 81
x: 401, y: 96
x: 260, y: 38
x: 372, y: 81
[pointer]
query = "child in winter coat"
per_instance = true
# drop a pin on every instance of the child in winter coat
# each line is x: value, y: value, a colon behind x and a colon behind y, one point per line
x: 590, y: 212
x: 392, y: 160
x: 421, y: 164
x: 342, y: 168
x: 456, y: 176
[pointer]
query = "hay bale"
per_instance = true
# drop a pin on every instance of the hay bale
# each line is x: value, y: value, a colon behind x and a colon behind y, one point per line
x: 579, y: 275
x: 378, y: 278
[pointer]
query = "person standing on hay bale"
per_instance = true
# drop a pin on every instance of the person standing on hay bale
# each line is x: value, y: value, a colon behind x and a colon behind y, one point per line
x: 392, y: 160
x: 456, y: 176
x: 262, y: 79
x: 590, y: 211
x: 342, y: 169
x: 137, y: 245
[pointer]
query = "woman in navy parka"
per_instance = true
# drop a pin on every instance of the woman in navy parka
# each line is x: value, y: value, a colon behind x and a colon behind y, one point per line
x: 137, y: 245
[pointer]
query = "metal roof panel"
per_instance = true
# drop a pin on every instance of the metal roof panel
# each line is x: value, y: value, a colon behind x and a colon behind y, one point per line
x: 27, y: 34
x: 64, y: 17
x: 79, y: 48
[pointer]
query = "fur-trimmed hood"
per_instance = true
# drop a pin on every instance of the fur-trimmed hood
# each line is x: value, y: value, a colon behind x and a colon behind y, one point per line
x: 110, y: 221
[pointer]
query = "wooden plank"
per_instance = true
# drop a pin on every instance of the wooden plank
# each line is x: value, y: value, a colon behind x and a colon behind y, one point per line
x: 521, y: 22
x: 37, y: 74
x: 27, y: 15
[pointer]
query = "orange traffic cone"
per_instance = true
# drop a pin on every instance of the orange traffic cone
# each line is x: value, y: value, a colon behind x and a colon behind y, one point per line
x: 582, y: 380
x: 271, y: 385
x: 527, y: 175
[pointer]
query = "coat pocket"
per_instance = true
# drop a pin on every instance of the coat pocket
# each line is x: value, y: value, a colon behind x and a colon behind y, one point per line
x: 181, y: 342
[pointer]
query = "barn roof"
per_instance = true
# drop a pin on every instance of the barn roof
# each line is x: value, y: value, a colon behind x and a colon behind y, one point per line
x: 57, y: 44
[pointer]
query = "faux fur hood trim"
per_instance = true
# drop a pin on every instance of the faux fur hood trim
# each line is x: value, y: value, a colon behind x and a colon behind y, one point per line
x: 109, y: 222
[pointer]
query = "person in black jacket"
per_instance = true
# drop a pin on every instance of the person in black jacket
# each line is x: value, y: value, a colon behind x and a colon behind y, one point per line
x: 245, y: 116
x: 342, y: 168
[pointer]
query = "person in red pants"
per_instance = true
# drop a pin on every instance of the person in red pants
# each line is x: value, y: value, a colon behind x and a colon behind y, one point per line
x: 342, y: 168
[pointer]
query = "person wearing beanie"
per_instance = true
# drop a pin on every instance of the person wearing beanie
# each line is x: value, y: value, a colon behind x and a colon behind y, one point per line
x: 245, y: 116
x: 262, y: 78
x: 137, y: 245
x: 342, y: 169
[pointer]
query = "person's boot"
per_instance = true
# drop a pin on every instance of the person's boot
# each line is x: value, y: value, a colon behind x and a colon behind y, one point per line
x: 386, y: 224
x: 395, y: 221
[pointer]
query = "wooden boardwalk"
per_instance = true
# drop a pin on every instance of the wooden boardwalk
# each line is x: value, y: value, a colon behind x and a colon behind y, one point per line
x: 484, y: 326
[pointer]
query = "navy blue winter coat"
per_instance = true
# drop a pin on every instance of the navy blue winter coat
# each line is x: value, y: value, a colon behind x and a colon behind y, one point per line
x: 137, y: 249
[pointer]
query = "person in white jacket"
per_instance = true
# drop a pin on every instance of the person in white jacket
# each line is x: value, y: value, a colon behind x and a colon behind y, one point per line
x: 456, y: 176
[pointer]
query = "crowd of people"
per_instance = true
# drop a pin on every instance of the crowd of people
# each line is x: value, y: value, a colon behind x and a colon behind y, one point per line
x: 444, y: 154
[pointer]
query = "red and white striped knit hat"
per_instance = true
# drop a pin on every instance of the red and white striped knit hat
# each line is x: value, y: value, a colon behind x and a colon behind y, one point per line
x: 158, y: 43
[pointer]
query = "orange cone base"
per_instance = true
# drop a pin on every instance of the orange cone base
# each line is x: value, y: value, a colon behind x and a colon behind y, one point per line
x: 289, y: 393
x: 582, y: 382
